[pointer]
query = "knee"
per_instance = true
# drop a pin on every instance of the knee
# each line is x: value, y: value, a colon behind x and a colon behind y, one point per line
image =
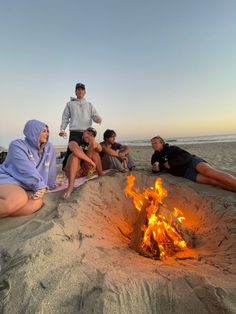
x: 10, y: 206
x: 36, y: 205
x: 74, y: 161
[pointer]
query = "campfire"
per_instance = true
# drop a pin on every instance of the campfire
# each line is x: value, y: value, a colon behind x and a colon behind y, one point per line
x: 159, y: 231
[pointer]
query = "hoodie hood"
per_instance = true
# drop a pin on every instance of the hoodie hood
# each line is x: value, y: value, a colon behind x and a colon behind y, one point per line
x: 32, y: 132
x: 77, y: 99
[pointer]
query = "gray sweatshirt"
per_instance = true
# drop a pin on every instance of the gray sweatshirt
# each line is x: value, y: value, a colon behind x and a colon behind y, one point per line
x: 79, y: 114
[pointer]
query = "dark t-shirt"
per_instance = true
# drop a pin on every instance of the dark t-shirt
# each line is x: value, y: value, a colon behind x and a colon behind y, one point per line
x: 115, y: 146
x: 178, y: 159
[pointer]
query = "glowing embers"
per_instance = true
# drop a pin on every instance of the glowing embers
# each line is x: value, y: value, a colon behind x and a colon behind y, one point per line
x: 158, y: 231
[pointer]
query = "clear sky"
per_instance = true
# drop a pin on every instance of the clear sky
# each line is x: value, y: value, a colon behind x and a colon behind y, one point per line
x: 150, y: 67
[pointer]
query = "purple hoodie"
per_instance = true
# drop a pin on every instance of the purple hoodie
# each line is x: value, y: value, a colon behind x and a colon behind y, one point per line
x: 24, y: 165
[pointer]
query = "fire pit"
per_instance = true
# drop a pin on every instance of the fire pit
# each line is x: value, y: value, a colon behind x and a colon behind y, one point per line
x: 158, y: 232
x: 81, y: 255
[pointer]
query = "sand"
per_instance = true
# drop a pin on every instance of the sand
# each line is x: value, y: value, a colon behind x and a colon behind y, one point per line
x: 74, y: 257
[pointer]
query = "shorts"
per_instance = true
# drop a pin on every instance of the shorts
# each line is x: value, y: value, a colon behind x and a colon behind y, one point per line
x: 191, y: 172
x: 76, y: 136
x: 82, y: 172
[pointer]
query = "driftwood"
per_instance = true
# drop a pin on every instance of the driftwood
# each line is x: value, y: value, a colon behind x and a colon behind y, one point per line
x: 137, y: 244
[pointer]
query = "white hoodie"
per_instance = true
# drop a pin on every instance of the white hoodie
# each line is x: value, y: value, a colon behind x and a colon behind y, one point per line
x: 79, y: 114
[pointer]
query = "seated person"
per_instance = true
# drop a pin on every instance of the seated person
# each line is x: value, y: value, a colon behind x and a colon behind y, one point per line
x: 115, y: 155
x: 181, y: 163
x: 83, y: 160
x: 28, y: 170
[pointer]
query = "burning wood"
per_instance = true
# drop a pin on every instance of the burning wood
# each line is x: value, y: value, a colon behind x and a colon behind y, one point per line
x: 158, y: 231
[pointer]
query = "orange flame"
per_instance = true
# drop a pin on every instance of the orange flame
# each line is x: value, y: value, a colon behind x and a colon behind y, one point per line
x: 160, y: 232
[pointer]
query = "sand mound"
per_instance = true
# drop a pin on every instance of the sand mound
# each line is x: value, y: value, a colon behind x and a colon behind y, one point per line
x: 74, y: 256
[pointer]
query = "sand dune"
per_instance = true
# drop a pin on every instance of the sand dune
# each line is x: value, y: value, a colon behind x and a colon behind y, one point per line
x: 74, y: 256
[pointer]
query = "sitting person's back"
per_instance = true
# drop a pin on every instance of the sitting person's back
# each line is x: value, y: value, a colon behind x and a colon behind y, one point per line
x: 115, y: 155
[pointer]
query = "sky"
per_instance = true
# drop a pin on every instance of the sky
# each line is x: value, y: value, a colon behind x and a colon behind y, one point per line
x: 150, y: 67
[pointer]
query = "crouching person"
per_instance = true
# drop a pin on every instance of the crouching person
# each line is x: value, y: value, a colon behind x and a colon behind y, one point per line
x: 115, y: 155
x: 83, y: 160
x: 28, y: 170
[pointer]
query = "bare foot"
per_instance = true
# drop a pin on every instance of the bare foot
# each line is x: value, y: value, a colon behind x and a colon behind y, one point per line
x: 67, y: 193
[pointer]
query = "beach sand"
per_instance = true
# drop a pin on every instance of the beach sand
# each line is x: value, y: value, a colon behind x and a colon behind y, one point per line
x: 73, y: 256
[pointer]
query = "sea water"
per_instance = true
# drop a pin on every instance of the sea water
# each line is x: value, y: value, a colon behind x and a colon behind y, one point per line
x: 186, y: 140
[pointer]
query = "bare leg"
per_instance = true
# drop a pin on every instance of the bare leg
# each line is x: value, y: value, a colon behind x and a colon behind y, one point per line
x: 205, y: 180
x: 97, y: 160
x: 14, y: 201
x: 73, y: 166
x: 210, y: 175
x: 31, y: 207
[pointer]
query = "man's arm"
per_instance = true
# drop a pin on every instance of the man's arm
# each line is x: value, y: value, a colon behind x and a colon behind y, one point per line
x: 95, y: 116
x: 124, y: 150
x: 78, y: 152
x: 155, y: 161
x: 65, y: 119
x: 111, y: 152
x: 97, y: 147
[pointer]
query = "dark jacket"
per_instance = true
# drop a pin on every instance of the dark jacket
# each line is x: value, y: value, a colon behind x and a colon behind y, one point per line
x: 178, y: 159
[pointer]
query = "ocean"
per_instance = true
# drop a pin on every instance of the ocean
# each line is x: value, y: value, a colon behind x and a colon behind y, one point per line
x: 186, y: 140
x: 172, y: 140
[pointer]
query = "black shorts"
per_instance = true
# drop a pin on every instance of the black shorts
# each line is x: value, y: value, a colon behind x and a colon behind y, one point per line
x: 191, y: 172
x: 76, y: 136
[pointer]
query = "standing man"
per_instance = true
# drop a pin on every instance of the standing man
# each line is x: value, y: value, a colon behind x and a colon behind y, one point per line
x: 79, y: 114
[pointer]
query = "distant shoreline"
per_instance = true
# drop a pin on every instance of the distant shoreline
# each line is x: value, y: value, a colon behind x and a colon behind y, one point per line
x: 134, y: 145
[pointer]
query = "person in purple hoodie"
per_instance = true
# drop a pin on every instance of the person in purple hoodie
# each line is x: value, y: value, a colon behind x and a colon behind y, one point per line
x: 27, y: 172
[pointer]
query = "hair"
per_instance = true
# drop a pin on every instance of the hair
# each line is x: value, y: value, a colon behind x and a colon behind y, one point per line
x: 108, y: 133
x: 91, y: 131
x: 158, y: 138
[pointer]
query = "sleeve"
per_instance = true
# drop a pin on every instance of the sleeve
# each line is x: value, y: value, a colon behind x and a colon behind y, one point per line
x: 94, y: 115
x: 52, y: 173
x: 24, y: 169
x: 65, y: 118
x: 156, y: 157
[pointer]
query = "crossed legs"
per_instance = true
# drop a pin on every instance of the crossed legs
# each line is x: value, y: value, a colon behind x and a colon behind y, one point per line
x: 74, y: 169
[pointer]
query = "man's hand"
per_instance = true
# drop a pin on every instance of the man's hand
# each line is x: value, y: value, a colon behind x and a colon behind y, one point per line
x: 122, y: 156
x: 93, y: 164
x: 63, y: 134
x: 98, y: 119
